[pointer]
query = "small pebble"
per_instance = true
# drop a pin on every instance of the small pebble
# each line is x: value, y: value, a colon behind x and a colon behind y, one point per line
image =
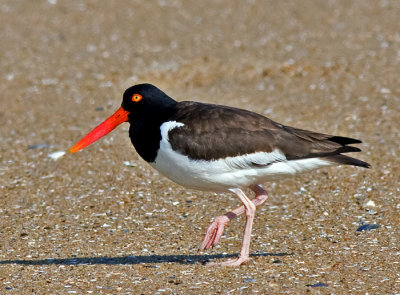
x: 38, y: 146
x: 370, y: 203
x: 319, y: 284
x: 248, y: 280
x: 56, y: 155
x: 152, y: 266
x: 372, y: 212
x: 129, y: 164
x: 365, y: 227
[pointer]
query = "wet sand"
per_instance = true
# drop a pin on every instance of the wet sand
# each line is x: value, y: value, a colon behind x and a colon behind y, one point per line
x: 103, y: 222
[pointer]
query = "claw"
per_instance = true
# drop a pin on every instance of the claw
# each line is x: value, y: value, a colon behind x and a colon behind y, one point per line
x: 214, y: 232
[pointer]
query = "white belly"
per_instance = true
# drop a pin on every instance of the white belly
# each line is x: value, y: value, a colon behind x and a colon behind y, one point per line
x: 224, y: 174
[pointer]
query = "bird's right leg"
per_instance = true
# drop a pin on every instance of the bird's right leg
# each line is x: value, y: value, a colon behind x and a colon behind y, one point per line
x: 216, y: 228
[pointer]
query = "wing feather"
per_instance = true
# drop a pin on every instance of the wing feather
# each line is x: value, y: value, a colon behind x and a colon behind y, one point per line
x: 212, y: 132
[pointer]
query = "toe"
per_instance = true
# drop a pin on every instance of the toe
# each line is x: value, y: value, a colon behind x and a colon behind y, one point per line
x: 231, y: 262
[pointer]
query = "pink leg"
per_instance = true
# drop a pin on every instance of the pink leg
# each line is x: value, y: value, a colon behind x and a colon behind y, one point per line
x: 250, y: 210
x: 216, y: 228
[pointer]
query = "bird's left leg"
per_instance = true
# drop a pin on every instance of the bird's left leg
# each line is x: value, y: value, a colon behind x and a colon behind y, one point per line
x: 250, y: 210
x: 216, y: 228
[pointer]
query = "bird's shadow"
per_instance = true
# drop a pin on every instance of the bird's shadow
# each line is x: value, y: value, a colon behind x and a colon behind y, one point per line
x: 149, y: 259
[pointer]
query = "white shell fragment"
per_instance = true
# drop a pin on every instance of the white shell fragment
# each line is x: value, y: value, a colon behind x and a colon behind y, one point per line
x: 56, y: 155
x: 129, y: 164
x: 370, y: 203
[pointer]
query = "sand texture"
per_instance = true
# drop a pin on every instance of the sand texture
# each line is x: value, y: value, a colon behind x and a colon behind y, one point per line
x: 102, y: 221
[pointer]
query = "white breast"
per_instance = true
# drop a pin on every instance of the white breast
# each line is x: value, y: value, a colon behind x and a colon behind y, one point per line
x: 227, y: 173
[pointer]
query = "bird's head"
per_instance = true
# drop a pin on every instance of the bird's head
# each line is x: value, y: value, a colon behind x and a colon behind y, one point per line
x: 142, y: 101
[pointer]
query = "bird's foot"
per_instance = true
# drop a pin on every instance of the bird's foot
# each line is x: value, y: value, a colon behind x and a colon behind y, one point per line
x: 214, y: 232
x: 231, y: 262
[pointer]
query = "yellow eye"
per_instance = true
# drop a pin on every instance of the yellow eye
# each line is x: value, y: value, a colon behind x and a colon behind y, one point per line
x: 136, y: 97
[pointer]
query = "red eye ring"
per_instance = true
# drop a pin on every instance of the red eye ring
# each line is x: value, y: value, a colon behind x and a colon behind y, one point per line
x: 136, y: 97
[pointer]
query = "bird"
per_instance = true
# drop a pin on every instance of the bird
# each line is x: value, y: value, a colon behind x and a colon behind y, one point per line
x: 218, y: 148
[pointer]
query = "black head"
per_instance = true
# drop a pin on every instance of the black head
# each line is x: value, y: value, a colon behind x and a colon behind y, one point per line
x: 143, y: 104
x: 146, y: 100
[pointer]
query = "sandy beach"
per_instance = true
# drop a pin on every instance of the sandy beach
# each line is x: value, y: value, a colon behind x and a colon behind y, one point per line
x: 102, y: 221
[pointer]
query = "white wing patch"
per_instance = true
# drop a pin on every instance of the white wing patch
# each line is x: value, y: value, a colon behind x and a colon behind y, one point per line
x: 259, y: 159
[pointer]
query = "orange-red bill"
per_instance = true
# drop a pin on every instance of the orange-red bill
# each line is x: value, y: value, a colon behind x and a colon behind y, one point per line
x: 120, y: 116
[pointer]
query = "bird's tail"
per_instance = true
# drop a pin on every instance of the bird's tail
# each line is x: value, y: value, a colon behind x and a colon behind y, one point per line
x: 346, y: 160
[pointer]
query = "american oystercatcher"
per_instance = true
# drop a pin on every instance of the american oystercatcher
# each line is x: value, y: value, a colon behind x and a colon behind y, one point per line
x: 219, y: 148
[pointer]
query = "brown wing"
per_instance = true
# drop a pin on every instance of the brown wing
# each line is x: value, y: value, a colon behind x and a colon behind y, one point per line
x: 212, y: 131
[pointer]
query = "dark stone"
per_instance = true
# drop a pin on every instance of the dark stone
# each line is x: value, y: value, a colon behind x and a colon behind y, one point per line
x: 365, y: 227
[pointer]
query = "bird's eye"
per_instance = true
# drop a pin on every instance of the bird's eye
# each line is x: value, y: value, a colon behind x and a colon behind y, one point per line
x: 136, y: 97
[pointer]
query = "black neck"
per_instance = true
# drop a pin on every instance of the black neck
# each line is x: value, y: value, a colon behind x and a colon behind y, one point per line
x: 145, y: 131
